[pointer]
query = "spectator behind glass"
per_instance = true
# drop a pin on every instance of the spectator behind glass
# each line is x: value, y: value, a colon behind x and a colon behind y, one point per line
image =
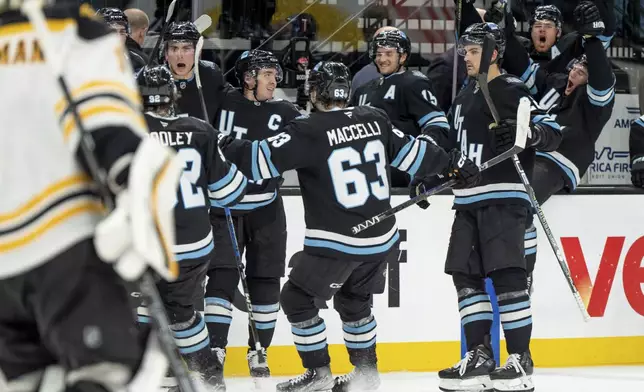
x: 369, y: 72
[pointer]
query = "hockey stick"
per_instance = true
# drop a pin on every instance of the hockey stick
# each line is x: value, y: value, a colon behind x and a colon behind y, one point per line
x: 231, y: 226
x: 203, y: 23
x: 35, y: 13
x: 488, y: 49
x: 519, y: 145
x: 168, y: 16
x: 457, y: 26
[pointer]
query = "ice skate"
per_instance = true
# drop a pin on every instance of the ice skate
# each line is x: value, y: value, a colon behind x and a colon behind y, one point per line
x: 361, y: 379
x: 313, y: 380
x: 515, y: 375
x: 472, y: 373
x: 259, y: 371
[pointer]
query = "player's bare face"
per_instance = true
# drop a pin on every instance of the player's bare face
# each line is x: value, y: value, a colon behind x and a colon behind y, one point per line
x: 181, y: 57
x: 578, y: 76
x: 387, y: 60
x: 120, y: 30
x: 472, y: 59
x: 544, y: 35
x: 266, y: 83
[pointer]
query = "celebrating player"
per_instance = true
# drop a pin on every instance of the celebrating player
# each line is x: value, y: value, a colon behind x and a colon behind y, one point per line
x: 342, y: 156
x: 405, y: 95
x: 206, y: 178
x: 259, y: 218
x: 180, y: 41
x: 65, y: 320
x: 488, y: 230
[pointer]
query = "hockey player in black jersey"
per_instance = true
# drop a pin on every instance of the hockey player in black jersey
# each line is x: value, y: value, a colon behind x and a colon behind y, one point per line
x: 260, y: 221
x: 117, y: 21
x: 207, y: 178
x: 341, y: 155
x: 487, y: 238
x: 65, y: 319
x: 405, y: 95
x: 179, y: 49
x: 636, y: 142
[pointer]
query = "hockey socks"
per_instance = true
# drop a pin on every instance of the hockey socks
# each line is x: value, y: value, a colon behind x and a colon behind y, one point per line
x: 310, y: 341
x: 360, y: 339
x: 218, y: 316
x: 475, y: 309
x: 265, y: 317
x: 192, y: 340
x: 516, y: 319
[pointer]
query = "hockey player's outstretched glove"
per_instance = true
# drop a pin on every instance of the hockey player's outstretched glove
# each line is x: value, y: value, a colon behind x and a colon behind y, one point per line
x: 140, y: 232
x: 420, y: 185
x: 588, y: 20
x: 465, y: 171
x: 637, y: 172
x: 503, y: 136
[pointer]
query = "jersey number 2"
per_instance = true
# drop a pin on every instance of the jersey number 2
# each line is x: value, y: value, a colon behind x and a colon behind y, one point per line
x: 191, y: 195
x: 351, y: 186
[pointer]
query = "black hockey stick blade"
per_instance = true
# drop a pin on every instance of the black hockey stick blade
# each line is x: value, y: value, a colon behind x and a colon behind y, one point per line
x: 168, y: 16
x: 486, y: 60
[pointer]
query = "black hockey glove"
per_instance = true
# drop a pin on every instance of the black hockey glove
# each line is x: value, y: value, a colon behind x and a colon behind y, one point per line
x: 302, y: 99
x: 224, y: 141
x: 420, y: 185
x: 588, y: 20
x: 495, y: 13
x: 503, y: 136
x: 637, y: 172
x: 465, y: 171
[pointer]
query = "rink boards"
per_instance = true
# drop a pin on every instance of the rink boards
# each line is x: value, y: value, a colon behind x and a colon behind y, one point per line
x: 418, y: 320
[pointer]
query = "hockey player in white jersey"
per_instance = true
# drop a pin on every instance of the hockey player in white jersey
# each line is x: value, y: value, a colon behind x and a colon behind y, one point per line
x: 65, y: 320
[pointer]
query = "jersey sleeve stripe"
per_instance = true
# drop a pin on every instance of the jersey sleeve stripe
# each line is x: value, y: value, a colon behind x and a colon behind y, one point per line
x: 98, y: 116
x: 75, y: 209
x: 54, y: 190
x: 547, y: 120
x: 601, y: 97
x: 419, y: 158
x: 97, y: 88
x: 267, y: 154
x: 221, y: 191
x: 529, y: 77
x: 55, y: 25
x: 254, y: 161
x: 409, y: 158
x: 640, y: 121
x: 236, y: 189
x: 402, y: 154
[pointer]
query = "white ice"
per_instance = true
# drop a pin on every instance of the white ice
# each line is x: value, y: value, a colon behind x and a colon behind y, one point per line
x: 588, y: 379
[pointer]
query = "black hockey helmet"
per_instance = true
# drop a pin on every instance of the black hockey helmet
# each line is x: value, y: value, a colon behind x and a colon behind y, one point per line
x: 331, y: 81
x: 475, y: 35
x: 395, y: 39
x: 114, y: 16
x: 581, y: 60
x: 252, y: 61
x: 547, y: 12
x: 157, y: 86
x: 182, y: 31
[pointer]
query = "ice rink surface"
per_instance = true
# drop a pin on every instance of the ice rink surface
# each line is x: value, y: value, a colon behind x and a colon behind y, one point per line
x: 590, y: 379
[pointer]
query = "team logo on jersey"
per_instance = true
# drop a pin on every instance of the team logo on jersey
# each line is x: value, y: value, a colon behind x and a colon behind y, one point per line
x: 182, y: 85
x: 349, y: 114
x: 257, y: 103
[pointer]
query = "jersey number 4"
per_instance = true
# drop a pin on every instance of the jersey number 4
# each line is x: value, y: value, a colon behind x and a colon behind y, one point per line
x: 191, y: 195
x: 352, y: 189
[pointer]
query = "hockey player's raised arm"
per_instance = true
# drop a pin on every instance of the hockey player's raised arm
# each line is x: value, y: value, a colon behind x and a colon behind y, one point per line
x: 601, y: 79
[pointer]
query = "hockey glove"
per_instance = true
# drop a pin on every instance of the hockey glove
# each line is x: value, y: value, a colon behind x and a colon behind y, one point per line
x: 637, y: 172
x: 224, y: 141
x: 466, y: 172
x: 588, y: 20
x: 420, y: 185
x: 140, y: 233
x: 496, y: 12
x: 503, y: 136
x: 302, y: 98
